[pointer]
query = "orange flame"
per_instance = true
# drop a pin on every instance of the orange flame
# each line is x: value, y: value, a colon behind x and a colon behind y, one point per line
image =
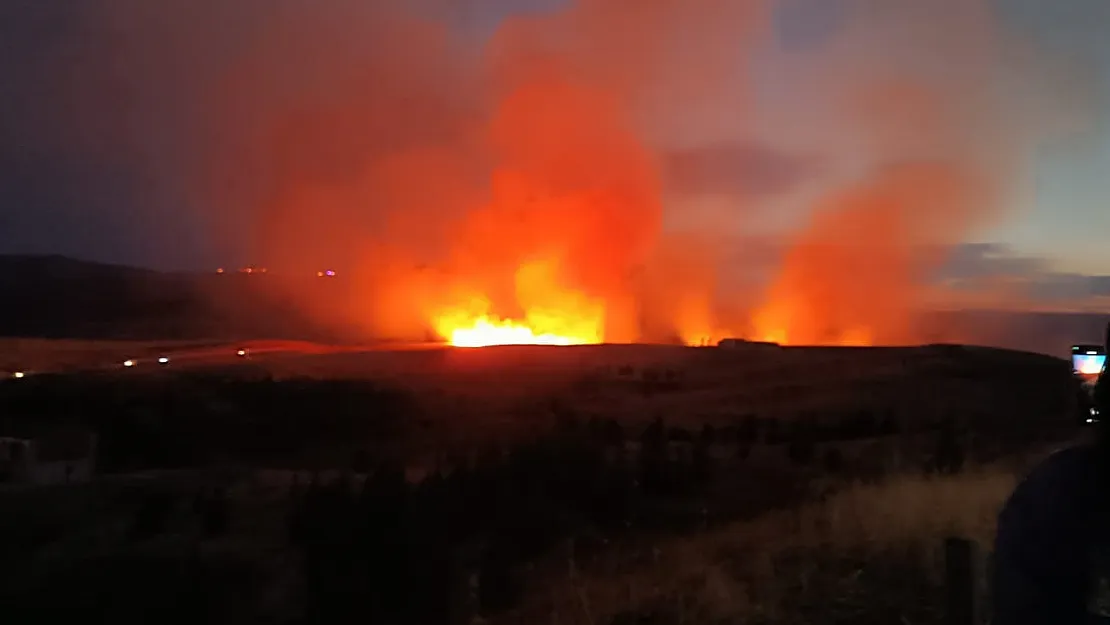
x: 487, y: 330
x: 788, y: 321
x: 552, y: 315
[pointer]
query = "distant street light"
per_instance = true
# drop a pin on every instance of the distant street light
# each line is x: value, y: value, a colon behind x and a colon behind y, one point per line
x: 129, y: 363
x: 19, y: 375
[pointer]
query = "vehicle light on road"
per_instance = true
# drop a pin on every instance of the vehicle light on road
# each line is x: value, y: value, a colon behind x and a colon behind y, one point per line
x: 163, y: 360
x: 241, y: 353
x: 19, y: 375
x: 129, y: 363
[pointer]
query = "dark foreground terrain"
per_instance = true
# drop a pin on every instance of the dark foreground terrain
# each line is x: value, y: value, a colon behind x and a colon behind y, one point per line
x: 603, y: 484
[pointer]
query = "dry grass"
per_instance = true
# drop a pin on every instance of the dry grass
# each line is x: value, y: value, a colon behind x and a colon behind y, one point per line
x: 498, y: 385
x: 869, y: 553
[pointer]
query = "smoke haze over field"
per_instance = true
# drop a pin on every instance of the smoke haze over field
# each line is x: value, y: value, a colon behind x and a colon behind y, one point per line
x: 611, y: 170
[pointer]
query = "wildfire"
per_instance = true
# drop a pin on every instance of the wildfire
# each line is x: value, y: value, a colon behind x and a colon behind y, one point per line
x: 781, y: 324
x: 849, y: 338
x: 553, y: 315
x: 486, y: 331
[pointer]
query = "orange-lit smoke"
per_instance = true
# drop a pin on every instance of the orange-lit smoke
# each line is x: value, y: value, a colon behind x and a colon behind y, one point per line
x: 513, y: 194
x: 854, y: 274
x: 512, y: 190
x: 935, y: 150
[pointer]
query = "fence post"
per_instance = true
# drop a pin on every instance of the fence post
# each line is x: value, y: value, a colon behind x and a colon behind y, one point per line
x: 960, y: 582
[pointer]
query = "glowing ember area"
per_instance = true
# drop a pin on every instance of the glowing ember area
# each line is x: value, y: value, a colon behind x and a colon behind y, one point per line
x: 856, y: 338
x: 704, y: 339
x: 848, y: 338
x: 552, y: 315
x: 775, y: 325
x: 487, y: 331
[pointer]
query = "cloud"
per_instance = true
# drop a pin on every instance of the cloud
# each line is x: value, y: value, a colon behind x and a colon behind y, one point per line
x: 1015, y: 280
x: 1069, y: 287
x: 974, y: 261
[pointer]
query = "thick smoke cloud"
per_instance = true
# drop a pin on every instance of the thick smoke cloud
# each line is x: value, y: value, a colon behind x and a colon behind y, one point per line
x: 596, y: 167
x: 923, y: 97
x: 375, y: 139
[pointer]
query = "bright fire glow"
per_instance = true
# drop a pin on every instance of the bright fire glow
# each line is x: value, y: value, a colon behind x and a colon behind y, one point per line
x: 492, y: 331
x: 787, y: 321
x: 849, y: 338
x: 552, y: 315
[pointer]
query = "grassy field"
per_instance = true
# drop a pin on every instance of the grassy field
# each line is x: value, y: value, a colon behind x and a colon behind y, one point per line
x: 861, y: 553
x: 514, y: 387
x: 868, y: 553
x: 800, y: 520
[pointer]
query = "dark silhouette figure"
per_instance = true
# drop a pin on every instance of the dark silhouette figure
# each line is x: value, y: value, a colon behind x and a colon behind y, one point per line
x: 1052, y: 549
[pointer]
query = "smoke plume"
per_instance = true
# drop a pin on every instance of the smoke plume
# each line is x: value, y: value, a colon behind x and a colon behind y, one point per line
x: 525, y: 176
x: 563, y: 165
x: 519, y: 179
